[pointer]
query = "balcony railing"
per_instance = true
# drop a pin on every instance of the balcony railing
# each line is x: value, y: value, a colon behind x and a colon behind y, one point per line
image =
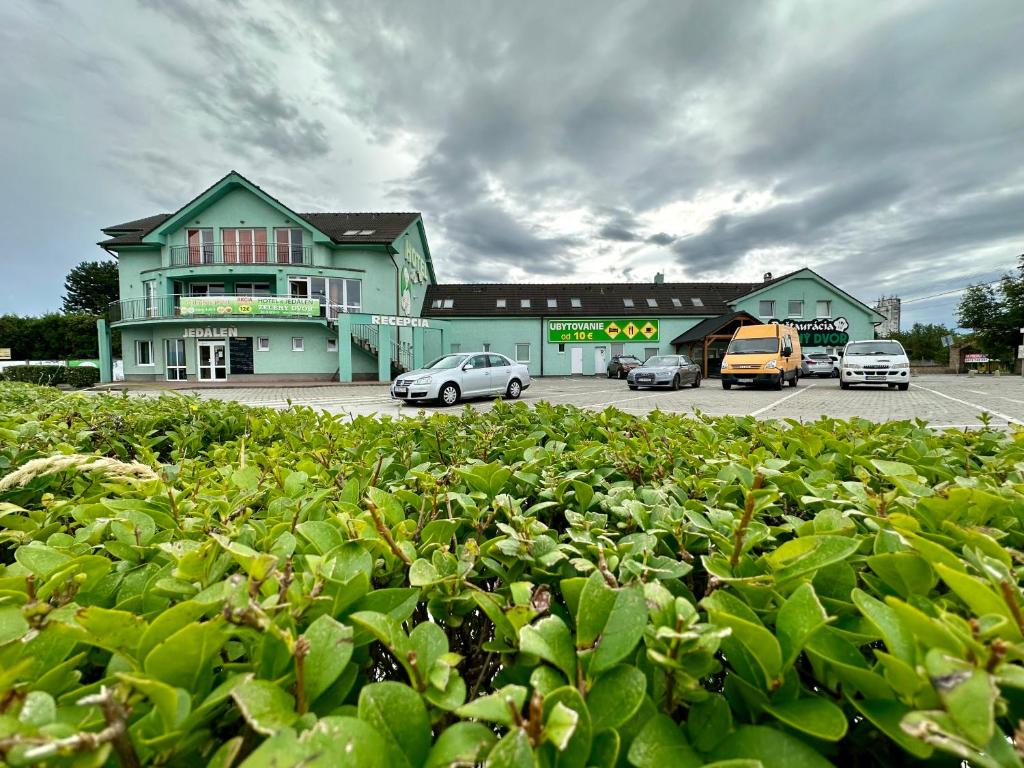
x: 222, y: 307
x: 239, y: 253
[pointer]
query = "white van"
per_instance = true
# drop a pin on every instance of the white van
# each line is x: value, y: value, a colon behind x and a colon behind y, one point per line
x: 882, y: 361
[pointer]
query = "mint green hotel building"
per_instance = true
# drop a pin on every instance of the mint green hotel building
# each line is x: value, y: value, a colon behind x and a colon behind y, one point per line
x: 236, y: 286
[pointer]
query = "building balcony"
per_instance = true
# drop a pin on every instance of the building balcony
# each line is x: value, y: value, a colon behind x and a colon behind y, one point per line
x: 222, y: 307
x: 218, y: 254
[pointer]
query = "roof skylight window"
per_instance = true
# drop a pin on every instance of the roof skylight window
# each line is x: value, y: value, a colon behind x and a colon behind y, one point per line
x: 500, y: 303
x: 652, y: 302
x: 697, y: 302
x: 627, y: 302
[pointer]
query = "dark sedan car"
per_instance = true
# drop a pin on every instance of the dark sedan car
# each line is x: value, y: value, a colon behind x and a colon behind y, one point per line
x: 620, y: 365
x: 665, y: 371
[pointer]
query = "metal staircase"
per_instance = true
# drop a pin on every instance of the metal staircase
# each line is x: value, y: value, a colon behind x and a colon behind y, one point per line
x: 367, y: 338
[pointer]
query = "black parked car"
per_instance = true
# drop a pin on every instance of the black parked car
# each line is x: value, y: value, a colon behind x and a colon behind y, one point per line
x: 620, y: 365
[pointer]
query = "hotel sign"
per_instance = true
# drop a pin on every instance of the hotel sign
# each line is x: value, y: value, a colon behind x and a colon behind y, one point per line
x: 613, y: 329
x: 821, y: 332
x: 209, y: 332
x: 412, y: 322
x: 264, y: 306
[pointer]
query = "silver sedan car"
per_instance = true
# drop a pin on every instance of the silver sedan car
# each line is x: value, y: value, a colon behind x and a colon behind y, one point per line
x: 452, y: 377
x: 665, y: 371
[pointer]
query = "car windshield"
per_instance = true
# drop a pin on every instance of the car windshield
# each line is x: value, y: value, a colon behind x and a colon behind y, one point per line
x: 445, y: 362
x: 767, y: 346
x: 629, y: 360
x: 662, y: 361
x: 875, y: 348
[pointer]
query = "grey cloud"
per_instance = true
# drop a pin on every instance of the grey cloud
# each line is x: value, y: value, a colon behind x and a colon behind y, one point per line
x: 661, y: 238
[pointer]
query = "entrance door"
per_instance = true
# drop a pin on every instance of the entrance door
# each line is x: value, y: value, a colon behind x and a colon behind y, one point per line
x: 213, y: 361
x: 577, y: 359
x: 600, y: 361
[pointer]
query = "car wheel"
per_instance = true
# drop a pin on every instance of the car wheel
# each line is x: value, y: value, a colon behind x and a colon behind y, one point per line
x: 835, y: 373
x: 449, y: 394
x: 634, y: 387
x: 514, y: 390
x: 675, y: 382
x: 778, y: 384
x: 903, y: 387
x: 611, y: 375
x: 696, y: 380
x: 726, y: 385
x: 622, y: 374
x: 843, y: 385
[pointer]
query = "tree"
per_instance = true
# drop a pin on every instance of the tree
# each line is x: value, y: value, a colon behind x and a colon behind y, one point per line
x: 91, y: 287
x: 996, y: 314
x: 924, y: 342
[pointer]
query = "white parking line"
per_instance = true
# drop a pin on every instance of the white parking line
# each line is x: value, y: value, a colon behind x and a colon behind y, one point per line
x: 1019, y: 402
x: 974, y: 391
x: 982, y: 408
x: 781, y: 400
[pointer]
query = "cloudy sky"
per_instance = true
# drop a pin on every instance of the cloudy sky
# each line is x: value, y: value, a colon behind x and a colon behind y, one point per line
x: 881, y: 144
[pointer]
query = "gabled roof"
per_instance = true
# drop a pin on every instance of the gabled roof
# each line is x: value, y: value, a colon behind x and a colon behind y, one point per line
x: 808, y: 272
x: 595, y: 299
x: 380, y: 228
x: 712, y: 325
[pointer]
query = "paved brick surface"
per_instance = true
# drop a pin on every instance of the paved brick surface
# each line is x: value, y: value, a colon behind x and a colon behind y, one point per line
x: 955, y: 401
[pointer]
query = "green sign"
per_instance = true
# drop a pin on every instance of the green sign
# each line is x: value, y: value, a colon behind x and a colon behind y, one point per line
x: 221, y: 306
x: 824, y: 338
x: 617, y: 329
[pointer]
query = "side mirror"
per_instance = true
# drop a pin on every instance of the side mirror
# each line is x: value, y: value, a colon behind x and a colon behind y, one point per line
x: 467, y: 367
x: 787, y: 352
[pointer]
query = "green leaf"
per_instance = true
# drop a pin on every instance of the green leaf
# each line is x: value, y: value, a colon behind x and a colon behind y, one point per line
x: 560, y: 725
x: 887, y: 715
x: 615, y: 696
x: 660, y: 744
x: 495, y: 707
x: 397, y: 712
x: 967, y: 693
x: 173, y: 704
x: 513, y: 751
x: 611, y: 619
x: 265, y: 707
x: 461, y: 744
x: 906, y: 573
x: 774, y: 749
x: 551, y: 640
x: 184, y: 659
x: 808, y: 554
x: 12, y: 624
x: 38, y: 709
x: 709, y: 722
x: 894, y: 468
x: 898, y: 639
x: 330, y: 648
x: 812, y: 715
x: 798, y: 619
x: 334, y: 742
x: 728, y: 611
x: 569, y: 732
x: 980, y: 598
x: 422, y: 573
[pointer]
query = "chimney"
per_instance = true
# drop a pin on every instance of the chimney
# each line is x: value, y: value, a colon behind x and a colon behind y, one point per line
x: 659, y: 278
x: 767, y: 276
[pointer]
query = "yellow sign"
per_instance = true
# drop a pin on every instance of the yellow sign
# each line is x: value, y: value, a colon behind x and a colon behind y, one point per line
x: 648, y: 330
x: 5, y: 353
x: 631, y: 330
x: 612, y: 330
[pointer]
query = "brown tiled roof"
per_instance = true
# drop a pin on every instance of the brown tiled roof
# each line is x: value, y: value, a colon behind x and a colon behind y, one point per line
x: 384, y: 227
x: 596, y: 299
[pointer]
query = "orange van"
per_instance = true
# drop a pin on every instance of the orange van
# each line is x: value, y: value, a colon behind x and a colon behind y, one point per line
x: 762, y: 354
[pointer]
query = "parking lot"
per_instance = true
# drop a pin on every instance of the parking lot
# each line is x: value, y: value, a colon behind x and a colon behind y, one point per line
x: 943, y: 401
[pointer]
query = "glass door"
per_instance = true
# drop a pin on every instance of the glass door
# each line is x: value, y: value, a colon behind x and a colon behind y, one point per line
x: 213, y: 361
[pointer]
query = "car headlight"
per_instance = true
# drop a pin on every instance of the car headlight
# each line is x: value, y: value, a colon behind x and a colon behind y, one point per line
x: 772, y: 364
x: 725, y: 364
x: 900, y: 365
x: 423, y: 380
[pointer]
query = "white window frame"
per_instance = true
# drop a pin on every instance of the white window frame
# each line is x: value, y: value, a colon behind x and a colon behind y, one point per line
x: 500, y: 304
x: 828, y: 308
x: 576, y: 303
x: 300, y: 346
x: 448, y: 303
x: 183, y: 367
x: 789, y: 306
x: 260, y: 346
x: 760, y: 307
x: 149, y: 289
x: 139, y: 344
x: 518, y: 358
x: 677, y: 303
x: 524, y: 303
x: 697, y: 301
x: 552, y: 303
x: 627, y: 302
x: 652, y: 302
x: 290, y: 244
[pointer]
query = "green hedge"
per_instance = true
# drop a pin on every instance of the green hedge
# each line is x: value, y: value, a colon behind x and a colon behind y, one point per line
x: 79, y: 377
x: 197, y: 583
